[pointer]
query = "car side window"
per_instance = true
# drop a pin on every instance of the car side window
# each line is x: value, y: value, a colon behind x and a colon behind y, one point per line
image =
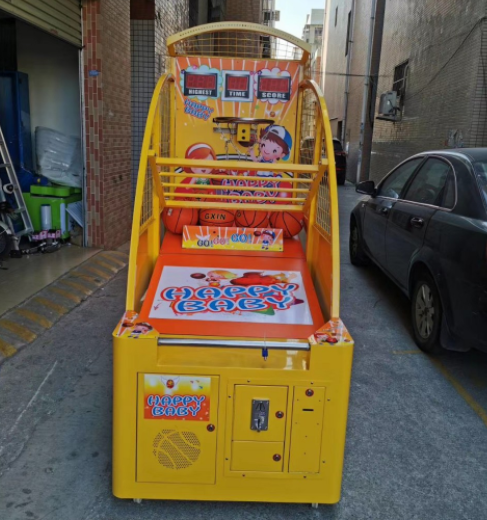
x: 429, y: 184
x: 393, y: 185
x: 449, y: 192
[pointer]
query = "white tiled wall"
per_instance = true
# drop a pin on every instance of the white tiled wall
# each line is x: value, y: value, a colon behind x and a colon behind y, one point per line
x: 148, y: 53
x: 143, y: 82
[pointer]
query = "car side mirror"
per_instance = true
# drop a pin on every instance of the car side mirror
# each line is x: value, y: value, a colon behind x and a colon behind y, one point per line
x: 366, y: 187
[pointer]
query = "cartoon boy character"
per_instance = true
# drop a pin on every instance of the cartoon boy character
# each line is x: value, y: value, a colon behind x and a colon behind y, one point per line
x: 140, y: 329
x: 267, y: 238
x: 275, y: 143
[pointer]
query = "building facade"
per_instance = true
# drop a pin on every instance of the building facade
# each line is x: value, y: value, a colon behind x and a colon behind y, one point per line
x: 431, y: 54
x: 93, y: 66
x: 270, y: 14
x: 313, y: 34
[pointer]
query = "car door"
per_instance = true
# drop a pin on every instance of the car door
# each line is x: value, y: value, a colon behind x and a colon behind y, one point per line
x: 409, y: 217
x: 378, y: 208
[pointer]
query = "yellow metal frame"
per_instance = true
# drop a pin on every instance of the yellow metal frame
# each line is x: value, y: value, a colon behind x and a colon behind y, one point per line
x: 247, y: 27
x: 322, y: 244
x: 324, y: 367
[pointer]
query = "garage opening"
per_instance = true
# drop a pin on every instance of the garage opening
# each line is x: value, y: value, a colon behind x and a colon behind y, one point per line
x: 41, y: 123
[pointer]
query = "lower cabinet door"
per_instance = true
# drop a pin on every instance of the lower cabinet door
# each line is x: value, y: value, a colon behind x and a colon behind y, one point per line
x: 177, y: 428
x: 257, y: 456
x: 306, y: 430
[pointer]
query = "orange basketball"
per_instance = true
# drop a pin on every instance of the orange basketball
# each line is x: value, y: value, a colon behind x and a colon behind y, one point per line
x: 175, y: 219
x: 290, y: 223
x: 217, y: 217
x: 251, y: 219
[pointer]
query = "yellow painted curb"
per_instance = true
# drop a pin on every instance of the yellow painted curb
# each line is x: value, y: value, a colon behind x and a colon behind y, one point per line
x: 19, y: 330
x: 36, y: 318
x: 117, y: 254
x: 116, y: 261
x: 96, y: 271
x: 51, y: 305
x: 65, y: 294
x: 106, y: 265
x: 86, y: 277
x: 81, y: 288
x: 7, y: 349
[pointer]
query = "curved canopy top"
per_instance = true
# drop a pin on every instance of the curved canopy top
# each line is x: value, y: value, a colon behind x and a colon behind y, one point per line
x: 228, y: 38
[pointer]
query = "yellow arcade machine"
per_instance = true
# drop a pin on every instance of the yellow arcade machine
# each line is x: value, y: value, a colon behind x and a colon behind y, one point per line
x: 231, y: 364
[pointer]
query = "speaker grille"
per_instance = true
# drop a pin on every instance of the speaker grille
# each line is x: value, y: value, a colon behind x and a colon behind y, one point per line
x: 176, y: 450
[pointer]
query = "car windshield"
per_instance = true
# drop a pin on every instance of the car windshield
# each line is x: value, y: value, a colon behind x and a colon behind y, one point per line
x: 481, y: 170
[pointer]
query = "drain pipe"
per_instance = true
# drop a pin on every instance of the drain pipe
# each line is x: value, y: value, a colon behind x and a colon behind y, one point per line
x: 366, y: 89
x: 347, y: 74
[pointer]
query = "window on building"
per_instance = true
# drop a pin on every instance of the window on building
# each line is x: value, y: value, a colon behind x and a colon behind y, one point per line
x: 347, y: 44
x: 319, y: 32
x: 336, y: 16
x: 400, y: 78
x: 193, y: 12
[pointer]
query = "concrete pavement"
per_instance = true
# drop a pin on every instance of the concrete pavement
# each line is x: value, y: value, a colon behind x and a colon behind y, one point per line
x: 417, y: 434
x: 23, y: 323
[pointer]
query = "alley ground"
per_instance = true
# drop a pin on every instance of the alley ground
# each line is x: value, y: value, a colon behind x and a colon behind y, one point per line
x: 417, y: 431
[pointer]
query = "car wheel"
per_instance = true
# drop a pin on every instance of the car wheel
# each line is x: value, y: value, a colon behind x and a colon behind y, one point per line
x: 426, y: 314
x: 356, y: 251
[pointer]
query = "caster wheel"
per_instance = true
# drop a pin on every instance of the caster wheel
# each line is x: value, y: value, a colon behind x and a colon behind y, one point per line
x: 315, y: 506
x: 138, y: 500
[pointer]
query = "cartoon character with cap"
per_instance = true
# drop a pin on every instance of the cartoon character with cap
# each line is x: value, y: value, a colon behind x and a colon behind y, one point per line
x: 275, y: 143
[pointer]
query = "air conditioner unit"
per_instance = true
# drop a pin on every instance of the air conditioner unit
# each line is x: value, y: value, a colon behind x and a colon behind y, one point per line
x: 389, y: 106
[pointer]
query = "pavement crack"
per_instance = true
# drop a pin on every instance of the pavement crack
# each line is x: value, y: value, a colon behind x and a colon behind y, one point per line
x: 29, y: 404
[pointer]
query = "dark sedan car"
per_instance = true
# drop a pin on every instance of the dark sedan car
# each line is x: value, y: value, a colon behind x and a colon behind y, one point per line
x: 425, y: 226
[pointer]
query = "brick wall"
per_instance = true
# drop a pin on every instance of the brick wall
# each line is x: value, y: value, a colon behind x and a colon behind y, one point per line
x: 171, y: 17
x: 244, y: 11
x: 445, y: 90
x: 106, y: 62
x: 445, y: 102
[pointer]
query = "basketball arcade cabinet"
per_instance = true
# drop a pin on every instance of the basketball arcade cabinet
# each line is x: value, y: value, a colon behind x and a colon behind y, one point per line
x: 231, y: 365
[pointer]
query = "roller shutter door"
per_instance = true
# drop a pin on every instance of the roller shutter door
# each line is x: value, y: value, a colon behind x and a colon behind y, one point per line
x: 62, y: 18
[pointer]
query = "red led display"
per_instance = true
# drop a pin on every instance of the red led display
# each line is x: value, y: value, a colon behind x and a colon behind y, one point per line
x: 274, y: 84
x: 200, y: 81
x: 237, y: 82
